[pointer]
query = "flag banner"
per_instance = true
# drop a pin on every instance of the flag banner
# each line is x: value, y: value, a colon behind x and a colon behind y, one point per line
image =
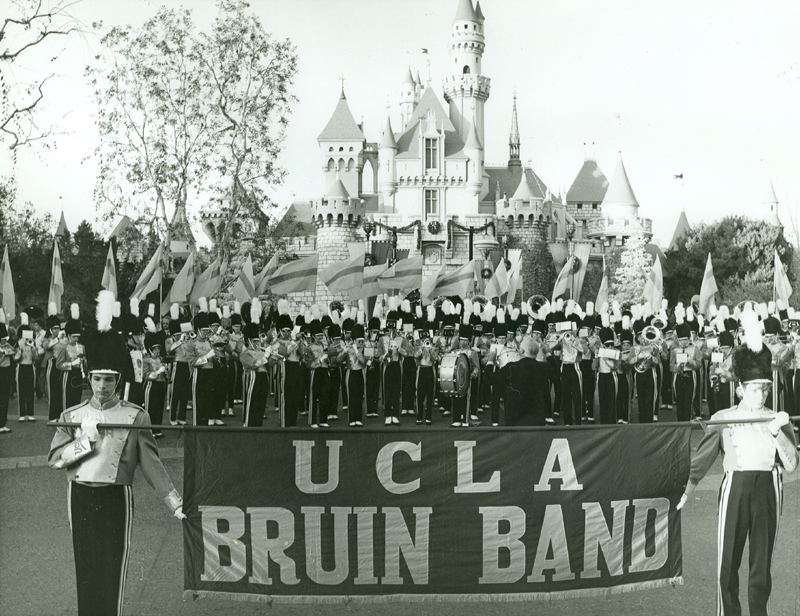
x: 245, y: 286
x: 369, y: 286
x: 782, y: 287
x: 602, y: 292
x: 201, y: 285
x: 582, y: 251
x: 498, y: 283
x: 654, y: 285
x: 345, y: 275
x: 8, y: 299
x: 151, y: 276
x: 514, y: 275
x: 561, y: 285
x: 56, y: 280
x: 375, y: 516
x: 405, y: 275
x: 263, y: 276
x: 182, y: 286
x: 707, y: 289
x: 296, y: 276
x: 109, y: 282
x: 460, y: 282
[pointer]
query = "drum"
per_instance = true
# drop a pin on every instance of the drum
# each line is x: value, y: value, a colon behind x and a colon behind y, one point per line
x: 454, y: 374
x: 507, y: 356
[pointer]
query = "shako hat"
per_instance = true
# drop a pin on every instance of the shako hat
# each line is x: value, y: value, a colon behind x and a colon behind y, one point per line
x: 106, y: 351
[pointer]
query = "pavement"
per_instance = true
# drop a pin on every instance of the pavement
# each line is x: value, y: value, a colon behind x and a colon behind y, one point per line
x: 37, y: 572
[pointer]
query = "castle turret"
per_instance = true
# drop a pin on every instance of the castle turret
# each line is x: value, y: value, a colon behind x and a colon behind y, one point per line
x: 620, y: 202
x: 466, y: 86
x: 409, y: 97
x: 473, y: 148
x: 388, y: 170
x: 513, y: 139
x: 341, y: 145
x: 770, y: 207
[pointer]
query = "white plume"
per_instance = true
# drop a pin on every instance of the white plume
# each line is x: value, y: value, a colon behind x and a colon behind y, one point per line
x: 105, y: 310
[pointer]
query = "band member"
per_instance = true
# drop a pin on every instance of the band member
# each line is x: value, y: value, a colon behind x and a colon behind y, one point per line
x: 720, y: 368
x: 589, y: 322
x: 219, y: 343
x: 254, y: 357
x: 496, y: 357
x: 55, y: 338
x: 181, y: 384
x: 647, y: 357
x: 356, y: 364
x: 409, y: 364
x: 202, y: 357
x: 287, y: 352
x: 335, y: 347
x: 155, y: 376
x: 607, y: 367
x: 134, y: 376
x: 754, y: 456
x: 233, y: 351
x: 526, y: 381
x: 426, y: 355
x: 793, y: 364
x: 70, y: 361
x: 315, y: 356
x: 488, y: 360
x: 684, y: 361
x: 7, y: 353
x: 461, y: 403
x: 392, y: 373
x: 100, y: 467
x: 780, y: 359
x: 372, y: 354
x: 26, y: 356
x: 572, y: 350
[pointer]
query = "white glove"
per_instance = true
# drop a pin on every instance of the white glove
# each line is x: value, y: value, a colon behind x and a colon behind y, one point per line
x: 781, y: 419
x: 179, y: 513
x: 690, y: 488
x: 682, y: 502
x: 210, y: 354
x: 89, y: 428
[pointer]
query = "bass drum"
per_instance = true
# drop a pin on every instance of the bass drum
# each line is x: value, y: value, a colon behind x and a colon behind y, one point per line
x: 507, y: 356
x: 454, y: 374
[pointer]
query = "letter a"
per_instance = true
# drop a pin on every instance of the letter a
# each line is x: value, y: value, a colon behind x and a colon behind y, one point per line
x: 559, y: 451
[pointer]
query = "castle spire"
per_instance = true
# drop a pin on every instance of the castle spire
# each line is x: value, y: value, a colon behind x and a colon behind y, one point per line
x: 513, y: 140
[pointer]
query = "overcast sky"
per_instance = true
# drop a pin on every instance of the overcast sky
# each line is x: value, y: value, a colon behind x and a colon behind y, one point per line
x: 708, y: 89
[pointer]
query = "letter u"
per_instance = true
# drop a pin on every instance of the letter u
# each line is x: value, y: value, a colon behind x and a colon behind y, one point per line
x: 302, y: 468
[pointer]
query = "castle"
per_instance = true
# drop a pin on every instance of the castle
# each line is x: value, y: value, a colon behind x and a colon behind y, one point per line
x: 432, y: 171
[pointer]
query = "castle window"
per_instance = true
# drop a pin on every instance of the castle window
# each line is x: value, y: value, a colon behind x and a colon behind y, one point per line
x: 331, y: 165
x: 341, y: 149
x: 580, y: 206
x: 330, y: 149
x: 431, y: 154
x: 594, y: 206
x: 466, y: 26
x: 351, y: 148
x: 466, y: 70
x: 432, y: 203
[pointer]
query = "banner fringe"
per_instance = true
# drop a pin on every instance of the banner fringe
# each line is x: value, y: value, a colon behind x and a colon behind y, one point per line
x: 578, y: 593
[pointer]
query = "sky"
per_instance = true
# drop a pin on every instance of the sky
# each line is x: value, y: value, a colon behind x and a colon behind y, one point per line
x: 710, y: 90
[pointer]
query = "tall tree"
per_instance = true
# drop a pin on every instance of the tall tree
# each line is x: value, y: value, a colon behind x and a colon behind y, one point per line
x: 30, y: 35
x: 628, y: 280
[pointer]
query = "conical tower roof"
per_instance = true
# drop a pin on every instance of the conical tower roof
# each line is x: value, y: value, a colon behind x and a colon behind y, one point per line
x: 62, y: 229
x: 513, y: 139
x: 523, y: 192
x: 619, y: 190
x: 478, y: 11
x: 388, y: 140
x: 771, y: 202
x: 342, y: 126
x: 465, y: 11
x: 681, y: 228
x: 589, y: 186
x: 770, y: 197
x: 409, y: 78
x: 337, y: 189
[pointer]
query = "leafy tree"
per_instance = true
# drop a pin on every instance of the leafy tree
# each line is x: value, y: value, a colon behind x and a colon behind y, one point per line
x: 31, y: 30
x: 742, y: 253
x: 538, y: 270
x: 627, y: 283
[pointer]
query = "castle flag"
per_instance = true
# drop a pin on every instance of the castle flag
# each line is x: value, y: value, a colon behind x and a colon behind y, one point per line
x: 342, y: 276
x: 296, y: 276
x: 8, y: 299
x: 183, y: 284
x: 369, y: 285
x: 110, y: 272
x: 602, y: 293
x: 514, y: 275
x: 404, y: 275
x: 263, y: 276
x: 458, y: 282
x: 205, y: 283
x: 654, y: 285
x: 245, y: 287
x: 782, y: 287
x: 562, y: 282
x: 56, y: 280
x: 151, y: 276
x: 498, y: 284
x: 707, y: 289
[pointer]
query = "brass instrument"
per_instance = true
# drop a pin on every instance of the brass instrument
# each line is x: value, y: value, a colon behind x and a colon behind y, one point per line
x: 535, y: 303
x: 652, y: 334
x: 659, y: 323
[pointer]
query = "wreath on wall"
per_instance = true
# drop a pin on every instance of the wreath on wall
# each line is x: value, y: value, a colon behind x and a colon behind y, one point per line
x: 434, y: 227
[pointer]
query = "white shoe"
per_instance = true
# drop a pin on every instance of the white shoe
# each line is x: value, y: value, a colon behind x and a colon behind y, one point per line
x: 549, y: 420
x: 173, y: 423
x: 655, y: 417
x: 31, y: 418
x: 388, y: 421
x: 359, y: 424
x: 395, y: 421
x: 21, y: 418
x: 474, y: 418
x: 219, y: 422
x: 333, y: 417
x: 314, y: 425
x: 455, y: 424
x: 210, y: 422
x: 5, y: 429
x: 181, y: 422
x: 352, y: 424
x: 324, y: 425
x: 494, y: 425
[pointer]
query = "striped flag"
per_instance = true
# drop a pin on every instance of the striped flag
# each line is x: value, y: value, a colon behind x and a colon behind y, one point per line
x: 498, y: 284
x: 405, y: 275
x: 707, y: 290
x: 562, y: 281
x: 263, y: 276
x: 654, y: 285
x: 369, y: 286
x: 602, y: 293
x: 184, y: 281
x: 245, y: 286
x: 151, y: 276
x: 8, y: 299
x: 514, y: 275
x: 56, y: 280
x: 206, y: 283
x: 299, y: 275
x: 782, y: 287
x: 110, y: 272
x: 342, y: 276
x: 459, y: 282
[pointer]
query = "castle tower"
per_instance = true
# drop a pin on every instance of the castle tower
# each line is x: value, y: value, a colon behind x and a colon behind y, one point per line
x: 620, y: 202
x: 473, y: 148
x: 770, y: 207
x: 513, y: 139
x: 467, y: 87
x: 409, y: 97
x: 341, y: 145
x: 337, y: 217
x: 388, y: 169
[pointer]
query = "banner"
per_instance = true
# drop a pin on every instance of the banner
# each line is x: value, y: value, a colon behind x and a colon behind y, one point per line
x: 109, y: 281
x: 8, y: 299
x: 489, y: 515
x: 708, y: 288
x: 654, y: 285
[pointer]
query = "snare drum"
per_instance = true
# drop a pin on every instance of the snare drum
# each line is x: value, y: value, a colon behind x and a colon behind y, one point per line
x: 507, y: 356
x: 454, y: 374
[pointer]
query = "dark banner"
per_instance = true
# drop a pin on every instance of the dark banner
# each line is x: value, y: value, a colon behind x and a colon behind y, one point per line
x: 487, y: 514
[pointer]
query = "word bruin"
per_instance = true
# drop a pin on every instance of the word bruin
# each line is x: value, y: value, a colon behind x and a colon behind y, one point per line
x: 504, y: 550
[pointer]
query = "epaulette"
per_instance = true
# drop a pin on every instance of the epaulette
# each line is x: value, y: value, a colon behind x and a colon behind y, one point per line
x: 77, y: 406
x: 130, y: 404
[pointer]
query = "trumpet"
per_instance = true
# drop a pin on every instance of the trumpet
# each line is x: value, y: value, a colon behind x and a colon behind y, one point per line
x: 652, y: 333
x: 658, y: 323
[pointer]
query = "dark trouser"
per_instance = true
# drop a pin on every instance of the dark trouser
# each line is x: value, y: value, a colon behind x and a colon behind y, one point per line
x: 684, y: 385
x: 54, y: 399
x: 332, y: 395
x: 155, y: 395
x: 792, y: 391
x: 343, y: 381
x: 461, y: 409
x: 474, y: 394
x: 623, y: 397
x: 667, y: 392
x: 588, y: 382
x: 571, y: 394
x: 135, y: 393
x: 720, y: 397
x: 355, y: 394
x: 255, y: 400
x: 181, y: 391
x: 5, y: 394
x: 26, y: 385
x: 373, y: 388
x: 71, y: 387
x: 749, y: 506
x: 426, y: 385
x: 293, y: 395
x: 646, y: 394
x: 101, y: 521
x: 555, y: 381
x: 202, y: 395
x: 486, y: 385
x: 607, y: 385
x: 220, y: 375
x: 409, y: 383
x: 318, y: 385
x: 305, y: 392
x: 391, y: 389
x: 499, y: 385
x: 233, y: 382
